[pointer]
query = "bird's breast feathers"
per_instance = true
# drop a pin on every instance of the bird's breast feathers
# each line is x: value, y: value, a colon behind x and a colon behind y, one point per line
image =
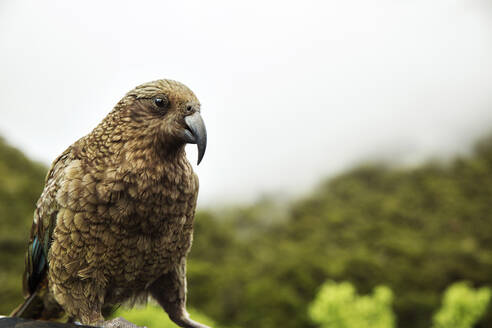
x: 122, y: 226
x: 127, y: 196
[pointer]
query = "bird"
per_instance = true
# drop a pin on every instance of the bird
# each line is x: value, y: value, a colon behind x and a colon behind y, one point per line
x: 114, y: 222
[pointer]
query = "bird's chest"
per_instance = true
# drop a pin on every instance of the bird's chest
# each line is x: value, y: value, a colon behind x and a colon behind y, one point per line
x: 124, y: 227
x: 157, y: 204
x: 155, y: 227
x: 142, y: 258
x: 150, y: 216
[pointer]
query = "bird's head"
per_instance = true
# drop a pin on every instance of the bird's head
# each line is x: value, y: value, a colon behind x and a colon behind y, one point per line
x: 167, y: 110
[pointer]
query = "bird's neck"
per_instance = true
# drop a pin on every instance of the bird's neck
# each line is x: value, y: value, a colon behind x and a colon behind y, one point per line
x: 118, y: 140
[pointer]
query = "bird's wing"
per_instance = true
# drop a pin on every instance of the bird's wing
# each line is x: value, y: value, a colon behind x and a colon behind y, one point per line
x: 43, y: 225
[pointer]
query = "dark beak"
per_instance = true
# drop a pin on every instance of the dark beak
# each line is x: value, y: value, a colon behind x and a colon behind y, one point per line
x: 196, y: 133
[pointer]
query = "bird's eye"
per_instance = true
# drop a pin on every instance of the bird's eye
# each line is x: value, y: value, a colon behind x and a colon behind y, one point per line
x: 161, y: 101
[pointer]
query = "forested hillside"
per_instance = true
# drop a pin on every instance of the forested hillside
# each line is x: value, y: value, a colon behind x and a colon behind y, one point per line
x: 416, y: 230
x: 21, y: 182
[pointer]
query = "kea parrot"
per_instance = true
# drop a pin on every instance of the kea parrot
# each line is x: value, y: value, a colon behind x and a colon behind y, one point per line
x: 114, y: 222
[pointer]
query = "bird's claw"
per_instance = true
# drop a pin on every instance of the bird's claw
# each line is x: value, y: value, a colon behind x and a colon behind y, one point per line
x: 119, y: 323
x: 188, y: 323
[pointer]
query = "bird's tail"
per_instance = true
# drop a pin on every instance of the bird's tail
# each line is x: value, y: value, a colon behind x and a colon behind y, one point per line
x: 32, y: 308
x: 40, y: 305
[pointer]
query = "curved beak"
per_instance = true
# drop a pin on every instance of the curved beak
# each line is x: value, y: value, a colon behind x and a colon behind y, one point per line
x: 196, y: 133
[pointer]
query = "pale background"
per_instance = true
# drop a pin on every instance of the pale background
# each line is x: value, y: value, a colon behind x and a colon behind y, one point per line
x: 291, y: 91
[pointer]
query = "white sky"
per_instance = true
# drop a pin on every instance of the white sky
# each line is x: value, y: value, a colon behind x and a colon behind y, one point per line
x: 291, y: 91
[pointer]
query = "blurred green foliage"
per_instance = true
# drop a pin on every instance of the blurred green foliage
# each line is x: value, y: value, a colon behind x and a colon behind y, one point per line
x: 153, y: 316
x: 416, y: 230
x: 21, y: 182
x: 462, y: 306
x: 338, y: 306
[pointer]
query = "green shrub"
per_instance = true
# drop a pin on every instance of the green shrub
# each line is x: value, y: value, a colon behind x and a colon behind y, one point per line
x: 462, y: 306
x: 338, y: 306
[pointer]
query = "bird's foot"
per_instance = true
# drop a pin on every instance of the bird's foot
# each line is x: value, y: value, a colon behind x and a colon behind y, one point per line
x: 119, y: 323
x: 186, y: 322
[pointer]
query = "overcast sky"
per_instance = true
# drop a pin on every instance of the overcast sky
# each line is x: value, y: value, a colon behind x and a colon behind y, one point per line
x: 291, y: 90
